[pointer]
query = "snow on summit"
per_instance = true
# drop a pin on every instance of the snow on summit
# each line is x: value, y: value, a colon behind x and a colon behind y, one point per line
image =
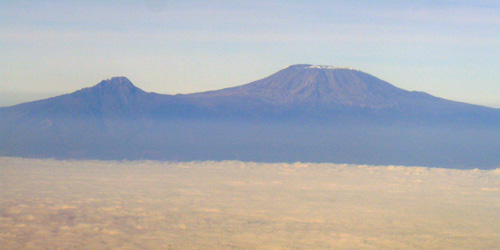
x: 328, y: 67
x: 310, y: 66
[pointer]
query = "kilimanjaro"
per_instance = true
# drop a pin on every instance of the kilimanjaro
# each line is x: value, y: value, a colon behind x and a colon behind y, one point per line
x: 306, y: 113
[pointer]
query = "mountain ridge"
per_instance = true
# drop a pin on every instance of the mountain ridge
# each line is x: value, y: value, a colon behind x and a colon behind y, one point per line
x: 302, y: 113
x: 301, y: 90
x: 350, y: 85
x: 325, y: 85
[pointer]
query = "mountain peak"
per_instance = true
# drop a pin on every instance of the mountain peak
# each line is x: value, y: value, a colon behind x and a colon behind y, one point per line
x: 116, y: 85
x: 117, y: 82
x: 111, y: 95
x: 319, y: 85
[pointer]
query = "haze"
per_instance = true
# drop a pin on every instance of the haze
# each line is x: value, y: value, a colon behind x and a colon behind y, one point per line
x: 49, y: 204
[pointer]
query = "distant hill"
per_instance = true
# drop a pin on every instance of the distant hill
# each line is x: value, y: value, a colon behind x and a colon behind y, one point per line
x: 301, y: 113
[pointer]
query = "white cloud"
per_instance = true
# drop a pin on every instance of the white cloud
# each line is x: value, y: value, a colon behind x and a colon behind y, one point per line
x: 64, y: 204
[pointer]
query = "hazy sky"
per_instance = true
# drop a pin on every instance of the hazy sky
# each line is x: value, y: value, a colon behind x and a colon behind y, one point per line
x: 446, y: 48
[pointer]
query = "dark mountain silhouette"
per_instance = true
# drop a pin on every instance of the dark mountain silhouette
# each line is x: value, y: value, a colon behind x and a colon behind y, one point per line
x: 301, y: 113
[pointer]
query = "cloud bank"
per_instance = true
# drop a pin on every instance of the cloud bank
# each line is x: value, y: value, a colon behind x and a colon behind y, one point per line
x: 244, y: 205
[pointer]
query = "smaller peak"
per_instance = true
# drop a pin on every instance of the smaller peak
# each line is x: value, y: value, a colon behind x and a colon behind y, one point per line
x: 119, y: 78
x: 117, y: 81
x: 116, y: 84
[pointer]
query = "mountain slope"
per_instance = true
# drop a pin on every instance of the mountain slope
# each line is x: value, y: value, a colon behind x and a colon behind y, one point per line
x: 309, y: 90
x: 301, y: 113
x: 116, y: 96
x: 318, y: 85
x: 298, y: 90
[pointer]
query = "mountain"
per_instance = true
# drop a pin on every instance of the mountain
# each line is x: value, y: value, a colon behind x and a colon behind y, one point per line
x: 320, y: 86
x: 326, y: 91
x: 301, y: 113
x: 305, y: 91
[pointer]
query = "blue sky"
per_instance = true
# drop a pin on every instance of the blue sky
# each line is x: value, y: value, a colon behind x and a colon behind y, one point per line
x: 449, y: 49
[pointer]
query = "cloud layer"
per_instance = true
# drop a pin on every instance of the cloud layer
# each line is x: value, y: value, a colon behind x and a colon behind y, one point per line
x: 221, y: 205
